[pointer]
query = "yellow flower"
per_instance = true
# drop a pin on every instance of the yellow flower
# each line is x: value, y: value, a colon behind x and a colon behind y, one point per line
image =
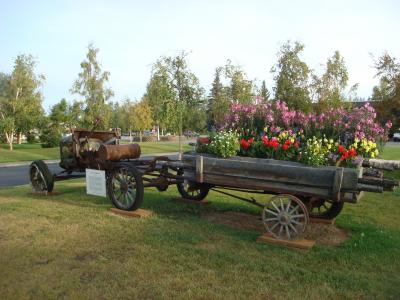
x: 356, y: 140
x: 372, y: 154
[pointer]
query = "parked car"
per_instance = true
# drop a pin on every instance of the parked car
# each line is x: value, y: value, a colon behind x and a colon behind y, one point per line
x: 396, y: 137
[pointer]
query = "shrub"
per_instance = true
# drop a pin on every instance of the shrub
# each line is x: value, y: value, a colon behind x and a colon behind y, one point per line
x: 31, y: 137
x: 51, y: 136
x: 224, y: 144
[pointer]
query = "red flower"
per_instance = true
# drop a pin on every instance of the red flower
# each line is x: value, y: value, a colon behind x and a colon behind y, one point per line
x: 296, y: 145
x: 274, y: 144
x: 250, y: 140
x: 265, y: 141
x: 352, y: 152
x: 245, y: 145
x: 341, y: 149
x: 288, y: 142
x: 285, y: 147
x: 345, y: 156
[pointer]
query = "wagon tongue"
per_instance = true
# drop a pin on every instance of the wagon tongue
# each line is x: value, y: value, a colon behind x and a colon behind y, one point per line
x: 373, y: 175
x: 376, y: 184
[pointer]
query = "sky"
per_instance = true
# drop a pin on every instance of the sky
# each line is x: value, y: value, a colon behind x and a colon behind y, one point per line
x: 132, y: 35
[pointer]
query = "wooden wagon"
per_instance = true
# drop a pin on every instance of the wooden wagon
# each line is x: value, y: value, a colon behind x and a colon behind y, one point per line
x: 299, y: 191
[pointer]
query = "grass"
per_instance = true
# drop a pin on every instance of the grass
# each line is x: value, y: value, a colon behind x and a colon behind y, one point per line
x: 29, y: 152
x: 391, y: 152
x: 70, y: 246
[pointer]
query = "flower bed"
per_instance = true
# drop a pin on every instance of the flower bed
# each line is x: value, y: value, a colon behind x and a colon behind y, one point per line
x: 272, y: 130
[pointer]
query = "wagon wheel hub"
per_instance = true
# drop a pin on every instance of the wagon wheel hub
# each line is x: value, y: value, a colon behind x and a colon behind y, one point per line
x: 285, y: 216
x: 285, y: 219
x: 124, y: 186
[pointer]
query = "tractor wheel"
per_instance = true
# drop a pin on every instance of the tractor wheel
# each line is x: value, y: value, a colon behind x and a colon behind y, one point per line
x: 125, y: 187
x: 40, y: 176
x: 192, y: 190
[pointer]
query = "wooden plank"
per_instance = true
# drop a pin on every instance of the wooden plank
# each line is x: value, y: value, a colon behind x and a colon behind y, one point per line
x: 199, y: 168
x: 139, y: 213
x: 248, y: 183
x: 277, y: 171
x: 298, y: 244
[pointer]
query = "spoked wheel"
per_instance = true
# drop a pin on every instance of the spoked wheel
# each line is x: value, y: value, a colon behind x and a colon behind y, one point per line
x: 323, y: 208
x: 285, y: 216
x: 125, y: 187
x: 192, y: 190
x: 41, y: 178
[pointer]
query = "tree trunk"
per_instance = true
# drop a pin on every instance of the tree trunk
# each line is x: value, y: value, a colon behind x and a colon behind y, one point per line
x: 19, y: 138
x: 180, y: 143
x: 158, y: 133
x: 130, y: 135
x: 140, y: 135
x: 10, y: 139
x: 162, y: 131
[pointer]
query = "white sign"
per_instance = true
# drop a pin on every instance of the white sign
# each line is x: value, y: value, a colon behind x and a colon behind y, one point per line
x: 96, y: 182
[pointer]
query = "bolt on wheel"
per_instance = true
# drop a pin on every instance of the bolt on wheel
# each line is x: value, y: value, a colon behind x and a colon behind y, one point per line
x: 285, y: 216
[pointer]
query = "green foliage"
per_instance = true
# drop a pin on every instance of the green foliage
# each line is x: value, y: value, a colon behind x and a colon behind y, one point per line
x: 30, y: 137
x: 386, y: 96
x: 219, y: 102
x: 20, y: 98
x: 141, y: 116
x: 240, y: 89
x: 224, y: 144
x: 181, y: 89
x: 264, y: 93
x: 159, y: 93
x: 51, y: 136
x: 91, y: 85
x: 292, y: 77
x: 329, y: 89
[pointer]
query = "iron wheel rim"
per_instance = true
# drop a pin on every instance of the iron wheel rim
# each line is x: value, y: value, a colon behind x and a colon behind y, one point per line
x: 124, y: 188
x: 285, y: 217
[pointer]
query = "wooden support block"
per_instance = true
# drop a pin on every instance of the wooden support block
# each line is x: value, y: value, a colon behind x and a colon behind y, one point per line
x: 299, y: 244
x: 139, y: 213
x: 187, y: 201
x: 322, y: 221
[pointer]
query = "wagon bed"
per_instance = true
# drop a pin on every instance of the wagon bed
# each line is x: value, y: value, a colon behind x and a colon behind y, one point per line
x: 276, y: 176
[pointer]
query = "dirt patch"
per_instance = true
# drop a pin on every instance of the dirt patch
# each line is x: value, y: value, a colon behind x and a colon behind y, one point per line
x: 324, y: 234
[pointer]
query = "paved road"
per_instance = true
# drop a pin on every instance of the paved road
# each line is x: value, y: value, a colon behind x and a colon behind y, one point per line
x: 12, y: 174
x: 18, y: 175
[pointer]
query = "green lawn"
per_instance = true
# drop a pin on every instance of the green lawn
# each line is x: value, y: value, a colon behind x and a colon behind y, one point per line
x: 29, y: 152
x: 70, y: 246
x: 391, y: 152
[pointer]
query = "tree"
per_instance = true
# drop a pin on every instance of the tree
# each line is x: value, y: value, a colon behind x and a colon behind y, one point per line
x: 159, y: 93
x: 185, y: 88
x: 386, y: 96
x: 329, y: 89
x: 140, y: 116
x: 91, y: 85
x: 20, y: 99
x: 119, y: 116
x: 292, y: 77
x: 240, y: 88
x: 219, y: 102
x: 264, y: 93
